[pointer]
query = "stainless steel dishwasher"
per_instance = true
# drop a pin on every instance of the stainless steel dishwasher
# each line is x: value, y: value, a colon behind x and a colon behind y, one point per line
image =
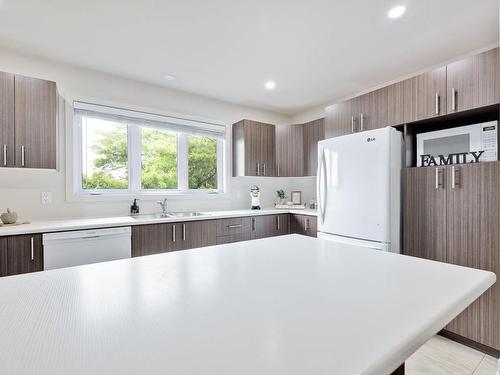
x: 67, y: 249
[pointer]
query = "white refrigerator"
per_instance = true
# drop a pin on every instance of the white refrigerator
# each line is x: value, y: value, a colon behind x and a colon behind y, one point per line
x: 359, y: 189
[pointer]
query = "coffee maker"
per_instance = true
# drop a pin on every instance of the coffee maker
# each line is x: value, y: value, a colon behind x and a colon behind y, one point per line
x: 255, y: 195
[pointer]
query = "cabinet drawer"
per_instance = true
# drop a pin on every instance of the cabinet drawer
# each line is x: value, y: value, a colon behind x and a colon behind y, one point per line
x: 233, y: 238
x: 231, y: 226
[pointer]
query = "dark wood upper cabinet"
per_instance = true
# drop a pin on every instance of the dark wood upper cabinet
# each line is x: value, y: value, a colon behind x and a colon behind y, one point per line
x: 342, y: 118
x: 380, y: 108
x: 424, y: 213
x: 313, y: 132
x: 289, y: 150
x: 149, y: 239
x: 7, y: 126
x: 35, y: 123
x: 23, y: 254
x: 473, y: 82
x: 254, y: 151
x: 425, y: 95
x: 473, y: 226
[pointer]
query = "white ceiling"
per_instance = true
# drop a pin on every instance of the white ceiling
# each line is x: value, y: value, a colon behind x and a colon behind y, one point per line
x: 316, y: 50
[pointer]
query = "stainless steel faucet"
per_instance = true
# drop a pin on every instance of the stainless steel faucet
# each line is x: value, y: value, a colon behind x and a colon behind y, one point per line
x: 163, y: 205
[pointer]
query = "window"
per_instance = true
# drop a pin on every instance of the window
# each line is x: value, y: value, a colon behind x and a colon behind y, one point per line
x: 121, y: 151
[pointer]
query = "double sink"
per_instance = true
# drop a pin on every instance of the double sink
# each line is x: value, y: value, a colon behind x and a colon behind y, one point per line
x: 165, y: 215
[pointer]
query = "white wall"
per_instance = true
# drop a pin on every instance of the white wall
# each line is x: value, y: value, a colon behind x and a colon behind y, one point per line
x: 20, y: 189
x: 309, y: 115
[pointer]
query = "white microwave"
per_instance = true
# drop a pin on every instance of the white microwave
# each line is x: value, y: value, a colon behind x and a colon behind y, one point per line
x: 464, y: 144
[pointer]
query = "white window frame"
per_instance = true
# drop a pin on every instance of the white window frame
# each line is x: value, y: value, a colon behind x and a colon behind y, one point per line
x: 135, y: 165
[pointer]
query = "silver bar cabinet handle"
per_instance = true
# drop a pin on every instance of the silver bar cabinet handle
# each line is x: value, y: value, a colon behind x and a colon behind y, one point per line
x: 307, y: 225
x: 263, y: 169
x: 184, y: 232
x: 362, y: 121
x: 32, y: 249
x: 352, y: 124
x: 437, y: 178
x: 4, y: 155
x: 173, y: 233
x: 258, y: 169
x: 23, y: 155
x: 233, y: 226
x: 453, y: 99
x: 278, y: 222
x: 454, y: 171
x: 278, y: 168
x: 253, y: 224
x: 437, y: 103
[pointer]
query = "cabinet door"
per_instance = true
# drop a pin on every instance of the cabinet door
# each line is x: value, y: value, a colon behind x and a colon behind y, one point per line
x: 35, y: 123
x: 281, y: 225
x: 473, y: 82
x: 263, y: 226
x: 342, y: 118
x: 425, y: 95
x: 382, y: 107
x: 192, y: 234
x: 3, y: 256
x: 253, y: 153
x: 310, y: 226
x: 7, y: 143
x: 297, y: 224
x: 289, y: 150
x: 24, y: 254
x: 473, y: 204
x: 313, y: 132
x: 199, y: 233
x: 304, y: 224
x: 267, y: 150
x: 149, y: 239
x: 425, y: 213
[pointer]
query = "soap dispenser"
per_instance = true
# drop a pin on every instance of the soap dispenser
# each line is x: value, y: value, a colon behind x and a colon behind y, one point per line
x: 134, y: 209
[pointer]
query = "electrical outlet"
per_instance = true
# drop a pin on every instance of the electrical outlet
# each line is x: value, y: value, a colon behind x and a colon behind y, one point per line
x: 46, y: 197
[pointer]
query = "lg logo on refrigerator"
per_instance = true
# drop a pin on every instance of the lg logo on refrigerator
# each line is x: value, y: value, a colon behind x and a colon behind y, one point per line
x: 370, y: 139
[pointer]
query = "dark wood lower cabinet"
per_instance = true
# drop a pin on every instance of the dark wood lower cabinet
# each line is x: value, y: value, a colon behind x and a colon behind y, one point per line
x: 304, y: 224
x: 270, y: 225
x: 452, y: 214
x: 21, y: 254
x: 424, y: 213
x: 3, y: 256
x: 149, y: 239
x: 159, y: 238
x: 192, y: 234
x: 473, y: 240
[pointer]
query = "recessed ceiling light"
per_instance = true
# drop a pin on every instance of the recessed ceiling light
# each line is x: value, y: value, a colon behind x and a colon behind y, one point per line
x: 270, y: 85
x: 396, y: 12
x: 169, y: 77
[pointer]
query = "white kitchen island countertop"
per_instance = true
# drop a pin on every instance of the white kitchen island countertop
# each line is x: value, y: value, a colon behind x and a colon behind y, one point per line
x: 67, y: 224
x: 283, y: 305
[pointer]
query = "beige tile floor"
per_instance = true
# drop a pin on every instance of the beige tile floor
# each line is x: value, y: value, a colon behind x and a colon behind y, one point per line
x: 440, y: 356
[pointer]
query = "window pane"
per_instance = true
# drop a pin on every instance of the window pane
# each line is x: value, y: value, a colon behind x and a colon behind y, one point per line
x: 159, y: 159
x: 202, y: 162
x: 104, y: 154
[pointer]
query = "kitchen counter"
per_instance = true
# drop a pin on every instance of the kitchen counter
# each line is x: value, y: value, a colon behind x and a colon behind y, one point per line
x: 48, y: 226
x: 281, y: 305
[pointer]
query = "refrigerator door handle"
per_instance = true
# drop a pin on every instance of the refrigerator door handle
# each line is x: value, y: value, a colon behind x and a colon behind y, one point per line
x: 322, y: 186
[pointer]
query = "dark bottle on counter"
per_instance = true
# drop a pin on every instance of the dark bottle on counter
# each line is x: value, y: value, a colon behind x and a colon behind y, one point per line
x: 134, y: 209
